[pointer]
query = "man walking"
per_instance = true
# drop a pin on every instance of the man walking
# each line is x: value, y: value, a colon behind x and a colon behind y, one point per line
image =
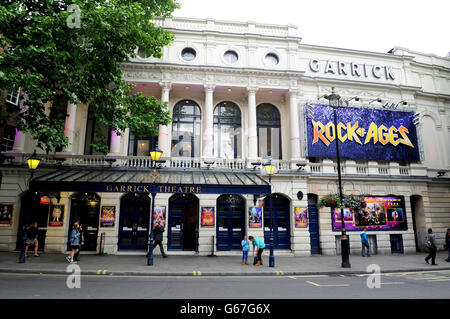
x: 364, y: 242
x: 158, y: 231
x: 431, y: 245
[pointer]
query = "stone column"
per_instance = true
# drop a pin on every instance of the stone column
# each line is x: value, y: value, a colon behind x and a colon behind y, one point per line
x: 163, y: 136
x: 70, y: 127
x: 114, y: 147
x: 295, y: 126
x: 252, y: 125
x: 208, y: 132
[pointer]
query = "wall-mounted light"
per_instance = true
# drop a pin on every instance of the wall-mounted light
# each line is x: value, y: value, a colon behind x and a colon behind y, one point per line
x: 377, y: 99
x: 441, y: 173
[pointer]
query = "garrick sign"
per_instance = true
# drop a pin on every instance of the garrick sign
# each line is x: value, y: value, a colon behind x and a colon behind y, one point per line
x: 126, y: 188
x: 352, y: 68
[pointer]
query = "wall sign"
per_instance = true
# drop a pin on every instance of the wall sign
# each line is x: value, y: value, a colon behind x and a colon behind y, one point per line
x: 352, y: 69
x: 255, y: 217
x: 301, y: 217
x: 6, y: 213
x: 108, y: 216
x: 56, y: 217
x: 380, y: 213
x: 207, y: 217
x: 363, y: 134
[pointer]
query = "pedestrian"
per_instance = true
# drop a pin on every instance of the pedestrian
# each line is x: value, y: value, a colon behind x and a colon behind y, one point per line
x: 32, y: 239
x: 245, y: 248
x: 430, y: 243
x: 447, y: 243
x: 257, y: 242
x: 76, y: 256
x: 74, y: 242
x: 158, y: 231
x: 364, y: 242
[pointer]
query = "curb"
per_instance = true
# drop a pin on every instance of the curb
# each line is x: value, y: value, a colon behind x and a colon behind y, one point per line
x: 211, y: 274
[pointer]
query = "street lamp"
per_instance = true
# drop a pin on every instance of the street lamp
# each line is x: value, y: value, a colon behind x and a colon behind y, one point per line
x: 334, y: 102
x: 155, y: 155
x: 33, y: 163
x: 270, y: 169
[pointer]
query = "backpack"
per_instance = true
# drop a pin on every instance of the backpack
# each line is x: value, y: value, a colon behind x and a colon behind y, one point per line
x: 428, y: 242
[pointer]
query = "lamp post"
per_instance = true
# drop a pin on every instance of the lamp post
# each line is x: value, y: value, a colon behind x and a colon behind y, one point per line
x: 33, y: 163
x: 270, y: 169
x: 155, y: 155
x: 334, y: 102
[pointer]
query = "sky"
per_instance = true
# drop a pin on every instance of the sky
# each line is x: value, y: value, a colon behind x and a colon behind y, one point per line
x: 368, y: 25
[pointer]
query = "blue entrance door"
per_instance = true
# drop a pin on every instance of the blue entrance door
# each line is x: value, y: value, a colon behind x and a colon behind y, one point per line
x: 134, y: 222
x: 281, y: 222
x: 230, y: 229
x: 182, y: 223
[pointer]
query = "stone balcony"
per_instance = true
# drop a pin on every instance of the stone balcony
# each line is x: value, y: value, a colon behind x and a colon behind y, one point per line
x: 325, y: 167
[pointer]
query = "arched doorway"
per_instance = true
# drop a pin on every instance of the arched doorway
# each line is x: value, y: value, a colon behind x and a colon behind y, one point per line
x: 230, y: 228
x: 85, y: 209
x: 313, y: 223
x: 37, y: 213
x: 281, y: 222
x: 134, y: 222
x: 182, y: 222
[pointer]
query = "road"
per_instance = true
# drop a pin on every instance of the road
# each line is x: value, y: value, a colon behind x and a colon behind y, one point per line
x: 412, y: 285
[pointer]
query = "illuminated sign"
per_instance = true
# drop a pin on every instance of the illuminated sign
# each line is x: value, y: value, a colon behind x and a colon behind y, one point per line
x: 363, y: 134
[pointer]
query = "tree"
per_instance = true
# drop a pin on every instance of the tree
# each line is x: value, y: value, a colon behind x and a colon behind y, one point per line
x: 60, y: 51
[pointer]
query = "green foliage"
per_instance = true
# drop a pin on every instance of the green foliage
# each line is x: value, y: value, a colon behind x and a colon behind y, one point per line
x: 354, y: 202
x: 55, y: 63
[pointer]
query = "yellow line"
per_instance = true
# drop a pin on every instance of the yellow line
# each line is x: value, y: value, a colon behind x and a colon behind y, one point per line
x: 392, y: 283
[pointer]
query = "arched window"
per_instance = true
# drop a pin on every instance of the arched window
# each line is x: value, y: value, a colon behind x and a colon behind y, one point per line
x: 91, y: 137
x: 269, y: 131
x: 227, y: 130
x: 186, y: 126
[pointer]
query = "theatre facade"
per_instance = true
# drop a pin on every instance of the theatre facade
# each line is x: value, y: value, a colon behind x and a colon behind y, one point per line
x: 241, y: 94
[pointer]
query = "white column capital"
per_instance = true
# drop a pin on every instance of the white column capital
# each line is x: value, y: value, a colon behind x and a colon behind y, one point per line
x: 252, y: 89
x: 209, y: 88
x: 165, y: 85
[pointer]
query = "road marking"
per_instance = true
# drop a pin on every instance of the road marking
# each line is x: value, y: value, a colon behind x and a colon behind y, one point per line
x: 392, y: 283
x: 197, y: 273
x: 317, y: 285
x: 280, y: 273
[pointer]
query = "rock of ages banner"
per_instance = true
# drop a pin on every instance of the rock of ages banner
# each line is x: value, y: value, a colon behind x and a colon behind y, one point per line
x: 363, y: 133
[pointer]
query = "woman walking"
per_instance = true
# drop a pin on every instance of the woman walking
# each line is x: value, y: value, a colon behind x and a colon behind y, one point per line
x: 74, y: 242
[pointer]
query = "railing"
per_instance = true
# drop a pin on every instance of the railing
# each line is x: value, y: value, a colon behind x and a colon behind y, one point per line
x: 201, y: 163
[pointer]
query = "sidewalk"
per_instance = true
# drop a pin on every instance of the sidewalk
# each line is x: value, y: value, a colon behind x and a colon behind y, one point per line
x: 176, y: 265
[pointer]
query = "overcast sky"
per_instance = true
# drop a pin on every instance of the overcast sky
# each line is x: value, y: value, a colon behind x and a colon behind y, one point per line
x: 420, y: 25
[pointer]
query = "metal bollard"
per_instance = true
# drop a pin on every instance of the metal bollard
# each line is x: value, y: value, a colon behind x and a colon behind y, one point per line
x: 212, y: 249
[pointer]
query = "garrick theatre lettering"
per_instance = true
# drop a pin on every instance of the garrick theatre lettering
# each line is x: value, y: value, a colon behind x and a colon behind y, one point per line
x: 158, y: 189
x: 351, y: 68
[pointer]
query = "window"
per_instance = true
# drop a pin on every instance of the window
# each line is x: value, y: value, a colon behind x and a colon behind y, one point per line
x: 269, y: 131
x: 271, y: 59
x: 227, y: 130
x: 13, y: 96
x: 90, y: 134
x: 7, y: 138
x: 186, y: 126
x: 230, y: 56
x: 188, y: 54
x: 141, y: 146
x: 142, y: 54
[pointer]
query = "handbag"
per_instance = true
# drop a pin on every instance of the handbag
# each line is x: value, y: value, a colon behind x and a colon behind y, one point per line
x: 428, y: 242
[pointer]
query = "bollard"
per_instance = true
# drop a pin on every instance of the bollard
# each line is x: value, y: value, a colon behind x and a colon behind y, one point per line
x: 212, y: 249
x: 102, y: 244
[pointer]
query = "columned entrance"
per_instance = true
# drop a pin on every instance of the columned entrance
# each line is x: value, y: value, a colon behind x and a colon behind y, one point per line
x: 230, y: 222
x: 85, y: 209
x: 281, y: 222
x: 182, y: 222
x: 134, y: 222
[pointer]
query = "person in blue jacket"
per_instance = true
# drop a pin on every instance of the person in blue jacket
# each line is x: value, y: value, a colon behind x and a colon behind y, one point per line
x: 364, y: 242
x: 245, y: 248
x: 257, y: 242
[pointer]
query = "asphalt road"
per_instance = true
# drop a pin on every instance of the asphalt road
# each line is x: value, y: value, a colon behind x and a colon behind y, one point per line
x: 413, y: 285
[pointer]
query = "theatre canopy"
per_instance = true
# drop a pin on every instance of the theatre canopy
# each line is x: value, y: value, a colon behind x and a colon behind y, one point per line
x: 120, y: 180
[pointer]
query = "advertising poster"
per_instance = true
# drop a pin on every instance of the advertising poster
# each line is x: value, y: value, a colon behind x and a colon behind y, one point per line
x: 159, y: 214
x: 363, y: 133
x: 6, y: 211
x: 301, y: 217
x: 108, y: 216
x: 56, y: 217
x: 255, y: 217
x: 207, y: 216
x: 380, y: 213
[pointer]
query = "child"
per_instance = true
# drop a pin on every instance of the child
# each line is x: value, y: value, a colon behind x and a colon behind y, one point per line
x: 245, y: 248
